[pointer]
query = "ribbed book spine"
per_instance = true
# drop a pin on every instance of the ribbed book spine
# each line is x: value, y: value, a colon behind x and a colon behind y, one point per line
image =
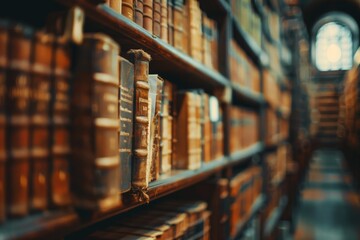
x: 141, y: 159
x: 148, y: 15
x: 127, y: 9
x: 18, y: 134
x: 39, y: 117
x: 60, y: 124
x: 157, y: 18
x: 96, y: 124
x: 164, y: 21
x: 139, y: 12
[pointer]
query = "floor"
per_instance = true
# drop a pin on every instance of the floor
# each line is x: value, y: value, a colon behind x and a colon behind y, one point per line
x: 329, y: 208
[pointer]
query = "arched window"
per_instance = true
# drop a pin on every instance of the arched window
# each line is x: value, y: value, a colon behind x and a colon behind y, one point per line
x: 334, y: 42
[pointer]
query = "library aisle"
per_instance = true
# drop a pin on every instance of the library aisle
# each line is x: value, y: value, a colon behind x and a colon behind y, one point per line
x: 329, y: 206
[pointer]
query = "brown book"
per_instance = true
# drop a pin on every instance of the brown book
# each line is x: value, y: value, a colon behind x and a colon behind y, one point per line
x: 111, y: 235
x: 141, y: 159
x: 148, y: 15
x: 166, y: 127
x: 115, y: 4
x: 4, y: 38
x: 185, y: 26
x: 60, y: 124
x: 178, y: 23
x: 154, y: 234
x: 217, y: 135
x: 194, y: 30
x: 127, y: 9
x: 213, y: 38
x: 206, y: 134
x: 126, y: 113
x: 39, y: 117
x: 156, y: 85
x: 164, y: 21
x: 188, y: 134
x: 170, y: 21
x: 157, y: 18
x: 18, y: 134
x: 96, y: 124
x: 139, y: 12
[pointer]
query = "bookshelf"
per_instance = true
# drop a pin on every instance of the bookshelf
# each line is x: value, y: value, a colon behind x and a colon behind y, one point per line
x: 186, y: 73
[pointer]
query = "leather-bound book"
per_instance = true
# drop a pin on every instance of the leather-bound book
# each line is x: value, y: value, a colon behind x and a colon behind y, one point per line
x: 112, y: 235
x: 60, y: 124
x: 194, y: 28
x: 206, y: 30
x: 18, y: 126
x: 4, y: 38
x: 178, y: 23
x: 126, y: 110
x: 115, y: 4
x: 40, y: 120
x: 214, y: 45
x: 188, y: 145
x: 164, y: 21
x: 141, y: 159
x: 177, y: 221
x: 166, y: 126
x: 170, y: 21
x: 217, y: 135
x: 148, y: 15
x: 141, y: 232
x: 185, y: 26
x: 95, y: 124
x: 139, y: 12
x: 127, y: 9
x: 157, y: 83
x: 157, y: 18
x: 206, y: 135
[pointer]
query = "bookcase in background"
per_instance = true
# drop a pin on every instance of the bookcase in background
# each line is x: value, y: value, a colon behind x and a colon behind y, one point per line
x: 219, y: 131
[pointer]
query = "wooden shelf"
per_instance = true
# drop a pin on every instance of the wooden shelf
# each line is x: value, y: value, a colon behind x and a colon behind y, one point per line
x: 247, y: 96
x: 255, y: 208
x: 244, y: 154
x: 166, y: 60
x: 216, y: 8
x: 275, y: 216
x: 250, y: 46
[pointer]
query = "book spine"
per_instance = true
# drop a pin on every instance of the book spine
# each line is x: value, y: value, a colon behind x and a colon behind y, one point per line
x: 207, y: 129
x: 164, y: 21
x: 39, y: 117
x: 148, y: 15
x: 60, y: 125
x: 18, y: 135
x: 139, y: 12
x: 126, y: 93
x: 157, y: 18
x: 127, y: 9
x: 115, y: 4
x: 194, y: 21
x: 178, y: 23
x: 96, y: 124
x: 156, y: 123
x: 141, y: 159
x: 4, y: 39
x: 214, y: 45
x: 186, y: 26
x: 170, y: 21
x: 166, y: 127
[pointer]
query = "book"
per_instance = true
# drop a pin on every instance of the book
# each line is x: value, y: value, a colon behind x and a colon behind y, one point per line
x: 164, y: 21
x: 157, y: 18
x: 156, y: 82
x: 170, y: 22
x: 148, y: 15
x: 206, y: 128
x: 111, y: 235
x: 154, y: 234
x: 142, y: 158
x: 217, y: 131
x: 188, y: 132
x: 4, y: 38
x: 116, y: 5
x: 194, y: 30
x: 41, y: 70
x: 178, y: 25
x: 166, y: 126
x: 96, y: 124
x: 126, y: 113
x: 59, y: 187
x: 139, y: 12
x: 18, y: 126
x: 127, y: 9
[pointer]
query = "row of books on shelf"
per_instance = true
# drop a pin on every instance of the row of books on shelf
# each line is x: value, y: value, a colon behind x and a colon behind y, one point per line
x: 244, y: 128
x: 247, y: 18
x: 180, y: 23
x: 80, y: 124
x: 243, y: 71
x: 349, y: 109
x: 245, y: 188
x: 273, y: 52
x: 276, y: 164
x: 165, y: 220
